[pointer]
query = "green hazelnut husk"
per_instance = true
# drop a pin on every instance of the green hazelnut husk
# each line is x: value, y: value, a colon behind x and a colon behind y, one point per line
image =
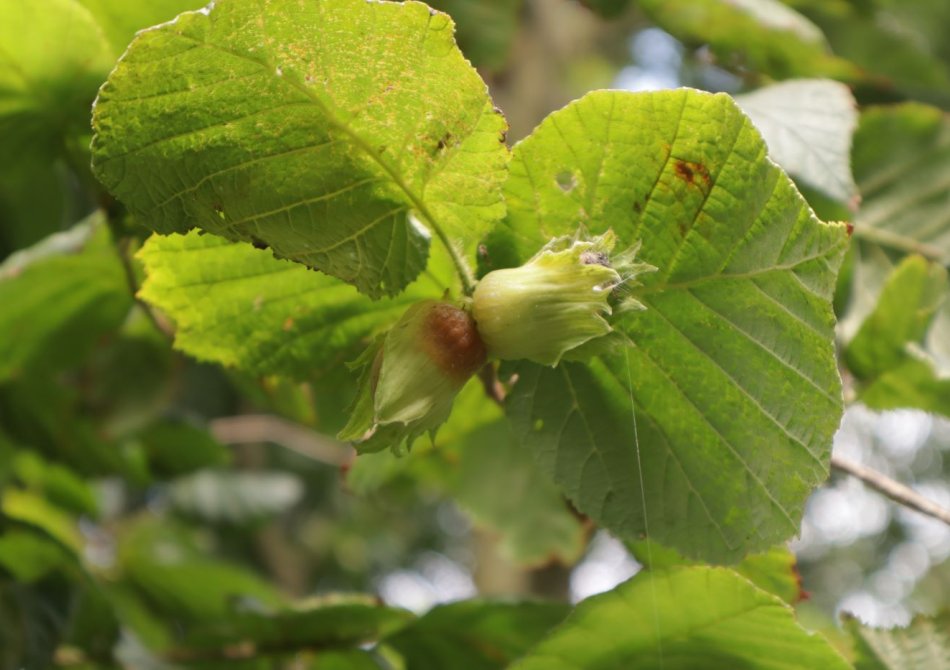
x: 412, y: 375
x: 556, y: 302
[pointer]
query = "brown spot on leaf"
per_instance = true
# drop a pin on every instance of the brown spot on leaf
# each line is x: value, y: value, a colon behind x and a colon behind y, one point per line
x: 850, y: 228
x: 692, y: 172
x: 258, y: 243
x: 288, y: 323
x: 444, y: 141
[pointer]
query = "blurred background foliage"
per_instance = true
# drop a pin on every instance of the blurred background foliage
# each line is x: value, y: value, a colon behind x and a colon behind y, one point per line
x: 139, y: 489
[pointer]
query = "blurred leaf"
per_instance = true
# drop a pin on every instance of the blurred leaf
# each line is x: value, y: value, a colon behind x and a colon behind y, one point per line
x: 730, y: 372
x: 609, y: 9
x: 120, y: 19
x: 937, y: 344
x: 475, y: 634
x: 181, y: 582
x: 324, y: 623
x: 901, y: 47
x: 485, y: 29
x: 902, y: 163
x: 324, y: 135
x: 93, y: 623
x: 31, y: 622
x: 32, y: 509
x: 29, y: 556
x: 53, y: 57
x: 53, y: 60
x: 685, y: 618
x: 887, y: 356
x: 912, y: 383
x: 52, y: 420
x: 57, y: 484
x: 128, y: 384
x: 346, y: 660
x: 807, y: 125
x: 59, y: 298
x: 925, y: 643
x: 762, y: 35
x: 226, y: 496
x: 533, y: 519
x: 32, y: 201
x: 773, y: 571
x: 239, y: 306
x: 911, y: 295
x: 148, y: 629
x: 176, y: 448
x: 475, y: 453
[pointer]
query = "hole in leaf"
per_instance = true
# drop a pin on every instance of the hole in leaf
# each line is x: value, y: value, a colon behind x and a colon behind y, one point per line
x: 566, y: 181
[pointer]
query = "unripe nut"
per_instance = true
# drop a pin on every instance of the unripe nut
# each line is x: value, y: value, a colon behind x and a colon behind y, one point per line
x: 413, y: 374
x: 551, y: 305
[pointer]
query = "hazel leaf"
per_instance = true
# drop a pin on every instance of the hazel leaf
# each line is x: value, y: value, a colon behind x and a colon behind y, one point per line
x: 341, y: 134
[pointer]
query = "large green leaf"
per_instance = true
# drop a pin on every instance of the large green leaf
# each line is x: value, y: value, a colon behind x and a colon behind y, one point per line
x: 59, y: 297
x: 239, y: 306
x: 474, y: 634
x: 486, y: 28
x: 692, y: 617
x: 727, y: 380
x: 335, y: 133
x: 925, y: 643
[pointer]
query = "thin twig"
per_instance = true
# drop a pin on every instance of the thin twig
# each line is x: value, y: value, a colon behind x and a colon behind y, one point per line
x: 121, y: 245
x: 897, y: 241
x: 254, y: 428
x: 891, y: 488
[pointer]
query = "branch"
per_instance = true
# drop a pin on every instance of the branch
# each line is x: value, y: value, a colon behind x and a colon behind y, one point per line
x: 121, y: 242
x: 900, y: 242
x: 894, y: 490
x: 255, y: 428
